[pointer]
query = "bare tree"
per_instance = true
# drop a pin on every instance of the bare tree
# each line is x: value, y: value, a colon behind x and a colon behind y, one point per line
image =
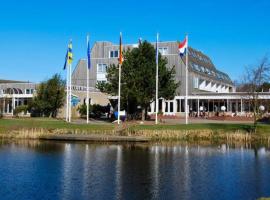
x: 253, y: 79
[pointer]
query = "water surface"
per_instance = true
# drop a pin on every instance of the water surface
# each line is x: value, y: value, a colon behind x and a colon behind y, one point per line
x: 60, y: 170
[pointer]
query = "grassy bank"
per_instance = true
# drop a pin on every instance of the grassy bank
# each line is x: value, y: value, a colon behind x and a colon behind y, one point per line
x: 47, y: 123
x: 205, y: 131
x: 37, y: 127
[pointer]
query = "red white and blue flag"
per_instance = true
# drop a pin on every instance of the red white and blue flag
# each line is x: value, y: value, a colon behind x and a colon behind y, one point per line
x: 183, y: 47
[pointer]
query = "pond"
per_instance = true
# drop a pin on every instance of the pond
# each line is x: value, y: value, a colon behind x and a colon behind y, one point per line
x: 64, y: 170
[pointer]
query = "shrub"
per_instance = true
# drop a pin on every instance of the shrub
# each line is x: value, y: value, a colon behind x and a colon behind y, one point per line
x: 82, y: 110
x: 20, y: 109
x: 95, y: 111
x: 98, y: 111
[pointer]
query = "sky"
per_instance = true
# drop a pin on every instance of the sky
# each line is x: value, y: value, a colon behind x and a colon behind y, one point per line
x: 34, y: 34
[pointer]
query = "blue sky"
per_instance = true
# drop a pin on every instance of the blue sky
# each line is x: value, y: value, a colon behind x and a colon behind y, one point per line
x: 34, y: 34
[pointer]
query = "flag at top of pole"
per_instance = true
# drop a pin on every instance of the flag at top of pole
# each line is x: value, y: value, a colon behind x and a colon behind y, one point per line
x: 69, y: 55
x: 183, y: 50
x: 183, y: 47
x: 65, y: 65
x: 120, y: 50
x: 88, y: 53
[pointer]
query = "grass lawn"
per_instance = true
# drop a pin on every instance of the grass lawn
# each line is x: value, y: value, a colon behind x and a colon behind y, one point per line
x: 261, y: 129
x: 47, y: 123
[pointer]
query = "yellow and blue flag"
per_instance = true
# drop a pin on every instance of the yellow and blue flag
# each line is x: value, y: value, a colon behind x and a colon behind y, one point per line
x: 69, y: 55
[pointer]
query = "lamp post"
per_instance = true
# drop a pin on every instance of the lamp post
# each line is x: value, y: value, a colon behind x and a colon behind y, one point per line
x: 201, y: 108
x: 223, y: 108
x: 261, y: 108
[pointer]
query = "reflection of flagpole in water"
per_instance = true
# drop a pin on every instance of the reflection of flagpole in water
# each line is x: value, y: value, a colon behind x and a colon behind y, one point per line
x: 67, y: 172
x: 186, y: 169
x: 118, y: 172
x: 155, y: 170
x: 86, y: 170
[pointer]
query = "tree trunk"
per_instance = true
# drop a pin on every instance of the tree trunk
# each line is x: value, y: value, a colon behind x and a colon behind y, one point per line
x: 255, y: 109
x: 143, y: 114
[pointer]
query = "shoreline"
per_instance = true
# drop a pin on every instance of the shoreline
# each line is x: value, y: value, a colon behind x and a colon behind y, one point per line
x: 95, y: 138
x: 136, y: 135
x: 50, y: 129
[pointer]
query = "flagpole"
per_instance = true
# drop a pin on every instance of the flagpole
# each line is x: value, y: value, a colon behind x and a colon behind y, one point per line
x: 186, y: 98
x: 67, y: 94
x: 69, y: 119
x: 87, y: 83
x: 119, y: 80
x: 119, y: 94
x: 157, y: 80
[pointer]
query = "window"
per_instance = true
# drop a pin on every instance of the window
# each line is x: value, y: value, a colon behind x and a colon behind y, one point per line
x: 178, y: 105
x: 101, y: 82
x: 27, y: 91
x: 101, y: 68
x: 89, y: 101
x: 163, y: 50
x: 195, y: 67
x: 208, y: 71
x: 171, y: 106
x: 195, y: 82
x: 114, y: 54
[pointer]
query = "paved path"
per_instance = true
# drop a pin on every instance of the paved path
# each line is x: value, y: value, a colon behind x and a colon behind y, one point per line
x: 170, y: 121
x: 91, y: 121
x: 204, y: 121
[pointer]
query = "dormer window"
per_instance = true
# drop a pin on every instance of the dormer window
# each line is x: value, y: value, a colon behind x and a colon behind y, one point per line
x: 163, y: 50
x: 101, y: 68
x: 113, y: 54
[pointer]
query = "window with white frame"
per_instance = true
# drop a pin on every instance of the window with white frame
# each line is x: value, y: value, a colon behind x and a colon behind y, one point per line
x: 29, y: 91
x: 101, y: 81
x: 101, y: 68
x: 114, y: 54
x: 195, y: 82
x: 163, y: 50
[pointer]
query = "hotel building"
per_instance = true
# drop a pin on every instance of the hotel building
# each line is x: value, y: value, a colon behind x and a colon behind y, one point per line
x: 208, y: 88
